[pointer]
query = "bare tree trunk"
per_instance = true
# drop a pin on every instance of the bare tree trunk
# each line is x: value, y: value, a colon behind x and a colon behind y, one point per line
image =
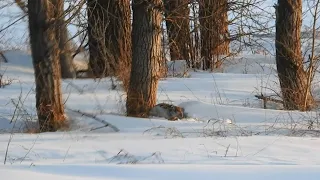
x: 45, y: 53
x: 292, y: 77
x: 195, y: 37
x: 178, y: 28
x: 66, y: 60
x: 146, y: 43
x: 109, y: 29
x: 118, y: 37
x: 214, y: 32
x: 101, y: 60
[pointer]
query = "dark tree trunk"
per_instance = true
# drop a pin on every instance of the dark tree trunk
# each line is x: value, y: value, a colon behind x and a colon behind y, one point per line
x: 293, y: 79
x: 214, y: 32
x: 146, y: 43
x: 178, y: 28
x: 118, y: 37
x: 109, y: 29
x: 101, y: 60
x: 45, y: 53
x: 66, y: 60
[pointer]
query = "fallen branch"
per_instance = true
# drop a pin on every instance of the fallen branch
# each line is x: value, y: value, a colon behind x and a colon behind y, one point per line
x: 266, y: 99
x: 106, y: 124
x: 3, y: 57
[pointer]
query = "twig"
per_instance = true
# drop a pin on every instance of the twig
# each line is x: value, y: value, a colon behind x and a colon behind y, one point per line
x: 3, y: 56
x: 12, y: 130
x: 11, y: 24
x: 266, y: 99
x: 227, y: 150
x: 33, y: 144
x: 66, y: 154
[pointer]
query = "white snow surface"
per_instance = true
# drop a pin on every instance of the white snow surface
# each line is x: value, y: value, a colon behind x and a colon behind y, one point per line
x: 227, y: 134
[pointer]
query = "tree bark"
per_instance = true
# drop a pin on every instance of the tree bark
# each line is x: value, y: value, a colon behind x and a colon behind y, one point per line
x: 66, y: 60
x: 292, y: 77
x: 214, y: 32
x: 178, y: 28
x: 118, y: 38
x: 146, y: 43
x: 45, y: 54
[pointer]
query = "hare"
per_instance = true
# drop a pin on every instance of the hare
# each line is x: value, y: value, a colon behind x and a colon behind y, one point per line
x: 168, y: 111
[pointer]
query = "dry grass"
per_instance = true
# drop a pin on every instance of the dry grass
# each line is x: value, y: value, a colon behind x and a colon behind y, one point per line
x: 123, y: 74
x: 4, y: 81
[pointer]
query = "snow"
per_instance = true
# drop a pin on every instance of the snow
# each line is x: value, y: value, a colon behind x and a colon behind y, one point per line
x: 156, y: 172
x: 177, y: 68
x: 227, y: 134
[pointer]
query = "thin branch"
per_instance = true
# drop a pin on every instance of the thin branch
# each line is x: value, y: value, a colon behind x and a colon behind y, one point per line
x: 107, y: 124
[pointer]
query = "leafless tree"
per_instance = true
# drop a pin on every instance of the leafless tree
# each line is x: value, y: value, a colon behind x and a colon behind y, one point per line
x: 118, y: 38
x: 178, y: 28
x: 44, y: 39
x: 100, y: 58
x: 146, y: 43
x: 66, y: 61
x: 296, y: 92
x: 313, y: 50
x: 195, y: 51
x: 214, y: 32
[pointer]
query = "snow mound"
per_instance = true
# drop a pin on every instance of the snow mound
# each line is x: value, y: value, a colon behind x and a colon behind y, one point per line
x: 250, y: 64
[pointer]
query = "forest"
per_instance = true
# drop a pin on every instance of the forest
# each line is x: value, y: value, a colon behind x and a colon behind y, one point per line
x: 171, y: 82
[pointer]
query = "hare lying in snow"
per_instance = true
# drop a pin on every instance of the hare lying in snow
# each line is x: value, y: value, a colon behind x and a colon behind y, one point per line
x: 167, y: 111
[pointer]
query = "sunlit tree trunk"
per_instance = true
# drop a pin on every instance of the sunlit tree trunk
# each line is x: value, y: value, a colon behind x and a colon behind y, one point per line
x: 293, y: 79
x: 146, y: 43
x: 45, y: 54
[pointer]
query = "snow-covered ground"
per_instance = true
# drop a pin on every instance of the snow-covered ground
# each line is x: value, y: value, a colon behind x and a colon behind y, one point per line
x: 161, y: 172
x: 227, y: 135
